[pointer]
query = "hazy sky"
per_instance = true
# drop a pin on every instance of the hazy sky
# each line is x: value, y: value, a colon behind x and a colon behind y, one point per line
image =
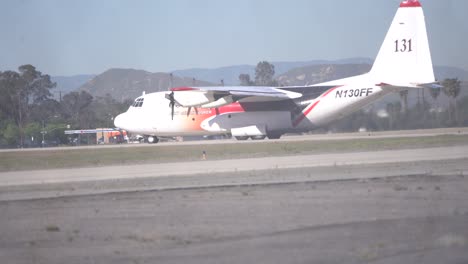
x: 80, y: 37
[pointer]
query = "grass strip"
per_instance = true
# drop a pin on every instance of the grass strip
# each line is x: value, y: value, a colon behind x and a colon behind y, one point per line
x: 93, y: 157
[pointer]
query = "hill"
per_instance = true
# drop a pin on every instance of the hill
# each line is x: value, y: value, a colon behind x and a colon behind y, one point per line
x: 326, y: 72
x: 320, y: 73
x: 66, y: 84
x: 125, y: 84
x: 230, y: 74
x: 129, y: 83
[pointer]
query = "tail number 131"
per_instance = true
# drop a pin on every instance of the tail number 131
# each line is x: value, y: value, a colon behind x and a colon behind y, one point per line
x: 403, y: 45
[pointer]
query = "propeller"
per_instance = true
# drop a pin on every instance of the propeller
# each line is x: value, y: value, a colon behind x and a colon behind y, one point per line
x: 190, y: 109
x: 172, y: 102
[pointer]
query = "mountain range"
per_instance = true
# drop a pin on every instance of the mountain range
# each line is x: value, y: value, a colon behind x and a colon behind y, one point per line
x: 230, y: 74
x: 125, y: 84
x: 66, y: 84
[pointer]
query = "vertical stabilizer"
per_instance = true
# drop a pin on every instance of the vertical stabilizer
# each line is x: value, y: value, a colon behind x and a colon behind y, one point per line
x: 404, y: 57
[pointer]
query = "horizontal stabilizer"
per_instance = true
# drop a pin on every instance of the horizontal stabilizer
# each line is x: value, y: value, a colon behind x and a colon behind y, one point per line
x: 432, y: 85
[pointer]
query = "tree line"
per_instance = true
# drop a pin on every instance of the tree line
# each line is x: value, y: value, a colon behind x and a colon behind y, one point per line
x: 264, y: 76
x: 398, y: 115
x: 425, y: 113
x: 29, y: 112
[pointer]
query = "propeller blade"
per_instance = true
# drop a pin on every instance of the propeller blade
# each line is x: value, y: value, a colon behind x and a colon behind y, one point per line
x: 172, y: 111
x: 190, y: 110
x: 171, y: 99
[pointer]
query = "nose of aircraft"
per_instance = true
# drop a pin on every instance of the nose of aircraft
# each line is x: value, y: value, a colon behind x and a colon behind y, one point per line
x: 119, y: 121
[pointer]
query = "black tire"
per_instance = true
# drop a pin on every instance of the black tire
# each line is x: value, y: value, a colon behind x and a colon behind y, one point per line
x: 152, y: 140
x: 258, y: 137
x: 242, y: 137
x: 274, y: 136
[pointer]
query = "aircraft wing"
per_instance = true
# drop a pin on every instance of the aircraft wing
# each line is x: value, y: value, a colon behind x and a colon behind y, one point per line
x: 208, y: 97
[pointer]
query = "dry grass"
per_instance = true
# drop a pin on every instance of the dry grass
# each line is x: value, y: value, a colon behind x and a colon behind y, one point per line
x: 92, y: 157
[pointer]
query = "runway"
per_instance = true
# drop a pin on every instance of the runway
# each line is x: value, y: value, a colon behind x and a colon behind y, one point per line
x: 285, y: 138
x: 206, y: 173
x: 392, y: 206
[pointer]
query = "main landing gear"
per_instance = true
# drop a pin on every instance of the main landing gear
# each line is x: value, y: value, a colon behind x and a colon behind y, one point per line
x: 258, y: 137
x: 274, y: 136
x: 270, y: 136
x: 152, y: 139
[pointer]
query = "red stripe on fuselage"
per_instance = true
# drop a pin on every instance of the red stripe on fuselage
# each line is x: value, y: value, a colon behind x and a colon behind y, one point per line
x: 303, y: 115
x: 230, y: 108
x: 308, y: 110
x: 329, y: 91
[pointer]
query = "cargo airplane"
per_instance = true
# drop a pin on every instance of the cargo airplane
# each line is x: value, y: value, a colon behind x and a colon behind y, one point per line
x: 403, y: 62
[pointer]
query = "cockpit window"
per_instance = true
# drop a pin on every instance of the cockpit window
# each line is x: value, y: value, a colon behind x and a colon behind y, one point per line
x: 138, y: 102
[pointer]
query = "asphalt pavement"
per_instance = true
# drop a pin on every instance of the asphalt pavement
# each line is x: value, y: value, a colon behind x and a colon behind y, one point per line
x: 397, y: 206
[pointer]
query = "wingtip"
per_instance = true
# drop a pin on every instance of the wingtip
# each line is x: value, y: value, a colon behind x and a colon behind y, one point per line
x: 410, y: 3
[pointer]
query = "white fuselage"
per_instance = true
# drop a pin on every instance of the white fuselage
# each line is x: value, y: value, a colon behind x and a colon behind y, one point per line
x: 154, y: 116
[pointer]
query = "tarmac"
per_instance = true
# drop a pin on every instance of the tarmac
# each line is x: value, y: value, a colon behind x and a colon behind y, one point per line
x: 395, y: 206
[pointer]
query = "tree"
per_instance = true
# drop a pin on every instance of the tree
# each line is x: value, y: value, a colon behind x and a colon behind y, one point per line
x: 10, y: 134
x: 20, y: 92
x: 244, y: 79
x: 9, y: 83
x: 404, y: 99
x: 452, y: 89
x: 435, y: 92
x: 47, y: 110
x: 394, y: 115
x: 75, y: 107
x: 390, y: 108
x: 32, y: 130
x: 105, y: 109
x: 264, y: 73
x: 463, y: 108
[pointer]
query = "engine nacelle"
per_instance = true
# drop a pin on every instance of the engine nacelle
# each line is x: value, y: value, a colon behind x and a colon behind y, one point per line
x: 220, y: 102
x: 191, y: 98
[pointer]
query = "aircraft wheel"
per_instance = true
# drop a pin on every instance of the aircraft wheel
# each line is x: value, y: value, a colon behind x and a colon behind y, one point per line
x: 152, y: 139
x: 257, y: 137
x: 274, y: 136
x: 242, y: 137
